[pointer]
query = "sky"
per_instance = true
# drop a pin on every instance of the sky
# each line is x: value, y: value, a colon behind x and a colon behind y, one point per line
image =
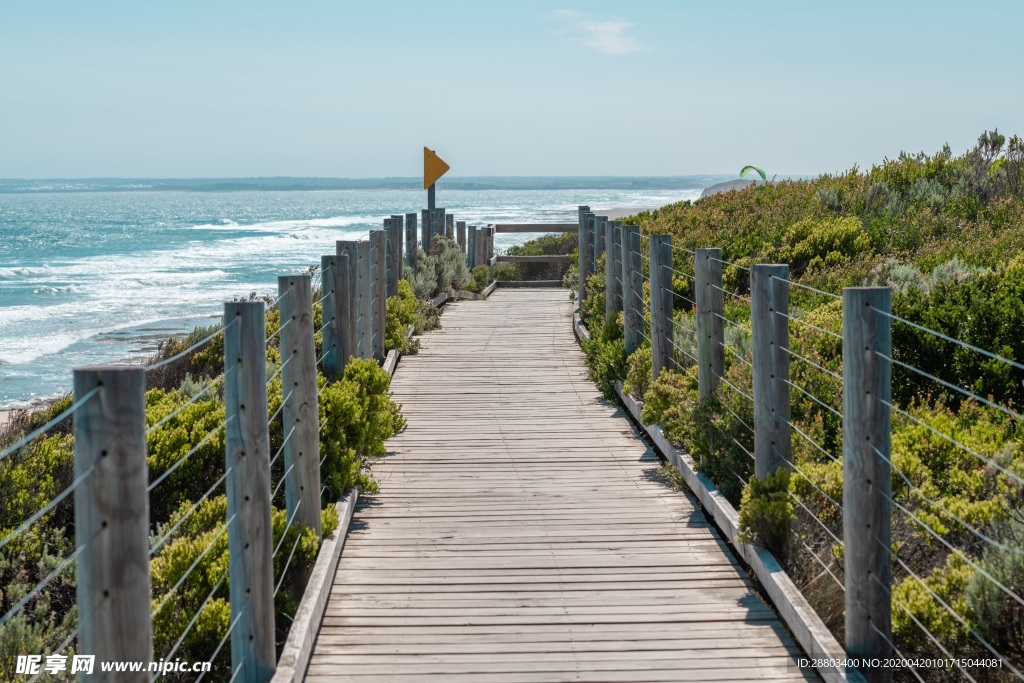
x: 338, y: 88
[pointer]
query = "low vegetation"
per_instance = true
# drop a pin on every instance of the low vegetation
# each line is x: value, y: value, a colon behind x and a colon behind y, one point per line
x: 946, y: 232
x: 188, y: 516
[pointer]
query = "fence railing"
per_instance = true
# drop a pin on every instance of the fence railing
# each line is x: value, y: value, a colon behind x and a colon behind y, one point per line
x: 112, y: 486
x: 867, y: 506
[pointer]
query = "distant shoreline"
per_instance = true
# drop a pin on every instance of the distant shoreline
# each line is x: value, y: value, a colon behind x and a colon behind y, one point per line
x: 298, y: 184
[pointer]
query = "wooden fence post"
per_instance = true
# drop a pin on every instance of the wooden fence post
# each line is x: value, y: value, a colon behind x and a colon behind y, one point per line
x: 710, y: 334
x: 247, y: 456
x: 599, y: 237
x: 301, y: 414
x: 379, y: 297
x: 438, y: 222
x: 481, y: 246
x: 449, y: 226
x: 412, y: 244
x: 460, y: 230
x: 425, y: 229
x: 471, y: 248
x: 632, y: 287
x: 112, y: 519
x: 661, y: 303
x: 364, y: 296
x: 332, y: 327
x: 394, y: 254
x: 348, y: 280
x: 769, y: 306
x: 867, y: 478
x: 613, y: 270
x: 489, y: 253
x: 585, y: 252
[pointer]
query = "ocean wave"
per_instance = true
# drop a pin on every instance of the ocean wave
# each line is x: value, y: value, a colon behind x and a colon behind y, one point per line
x: 26, y: 271
x: 295, y: 225
x: 53, y: 290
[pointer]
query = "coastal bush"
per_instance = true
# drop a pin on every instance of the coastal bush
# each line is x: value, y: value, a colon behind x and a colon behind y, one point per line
x: 814, y: 243
x: 606, y: 358
x: 185, y: 447
x: 946, y: 232
x: 670, y: 401
x: 565, y: 244
x: 424, y: 278
x: 1001, y: 620
x: 360, y: 416
x: 479, y: 279
x: 766, y: 513
x: 401, y: 313
x: 638, y: 372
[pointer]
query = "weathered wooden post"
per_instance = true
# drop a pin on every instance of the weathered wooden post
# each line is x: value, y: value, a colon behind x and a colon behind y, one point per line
x: 481, y: 246
x: 412, y: 244
x: 380, y: 294
x: 661, y: 303
x: 112, y: 519
x: 449, y: 226
x: 439, y: 221
x: 710, y: 311
x: 632, y: 287
x: 394, y: 254
x: 425, y: 229
x: 331, y: 325
x: 386, y: 274
x: 348, y: 282
x: 247, y: 456
x: 460, y: 230
x: 867, y: 478
x: 471, y: 248
x: 364, y: 295
x: 599, y: 237
x: 301, y: 415
x: 769, y: 308
x: 613, y: 270
x: 489, y: 248
x: 584, y: 252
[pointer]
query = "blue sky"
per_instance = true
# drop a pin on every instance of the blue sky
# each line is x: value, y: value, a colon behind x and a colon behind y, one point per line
x: 355, y: 89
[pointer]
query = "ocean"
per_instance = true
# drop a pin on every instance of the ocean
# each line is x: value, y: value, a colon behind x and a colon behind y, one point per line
x: 98, y: 277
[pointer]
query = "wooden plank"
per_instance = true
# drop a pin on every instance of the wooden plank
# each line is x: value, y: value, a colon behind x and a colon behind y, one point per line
x: 533, y: 528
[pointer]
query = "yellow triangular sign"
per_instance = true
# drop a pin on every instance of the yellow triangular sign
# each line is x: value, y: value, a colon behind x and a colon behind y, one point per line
x: 433, y: 168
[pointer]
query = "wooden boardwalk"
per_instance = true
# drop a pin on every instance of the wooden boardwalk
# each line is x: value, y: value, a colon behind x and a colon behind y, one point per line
x: 521, y: 532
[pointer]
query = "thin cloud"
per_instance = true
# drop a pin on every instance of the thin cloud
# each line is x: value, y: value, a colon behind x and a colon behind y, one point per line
x: 609, y: 36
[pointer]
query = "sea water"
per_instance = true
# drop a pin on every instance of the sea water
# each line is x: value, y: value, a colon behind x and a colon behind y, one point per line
x: 100, y: 277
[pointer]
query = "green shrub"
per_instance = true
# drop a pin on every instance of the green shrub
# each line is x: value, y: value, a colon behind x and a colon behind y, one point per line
x: 1001, y: 619
x: 401, y: 313
x: 670, y: 401
x: 428, y: 317
x: 766, y: 513
x: 479, y: 279
x: 638, y: 374
x: 606, y: 359
x: 360, y: 416
x: 815, y: 243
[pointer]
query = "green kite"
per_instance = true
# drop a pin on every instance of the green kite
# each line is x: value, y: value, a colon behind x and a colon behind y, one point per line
x: 748, y: 169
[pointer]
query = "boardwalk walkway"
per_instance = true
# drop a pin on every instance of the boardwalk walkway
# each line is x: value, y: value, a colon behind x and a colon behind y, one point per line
x: 521, y: 532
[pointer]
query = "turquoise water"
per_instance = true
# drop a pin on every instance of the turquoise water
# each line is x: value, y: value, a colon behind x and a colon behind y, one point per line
x: 98, y: 277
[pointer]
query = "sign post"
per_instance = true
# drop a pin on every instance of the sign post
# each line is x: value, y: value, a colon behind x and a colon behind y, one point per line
x: 433, y: 168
